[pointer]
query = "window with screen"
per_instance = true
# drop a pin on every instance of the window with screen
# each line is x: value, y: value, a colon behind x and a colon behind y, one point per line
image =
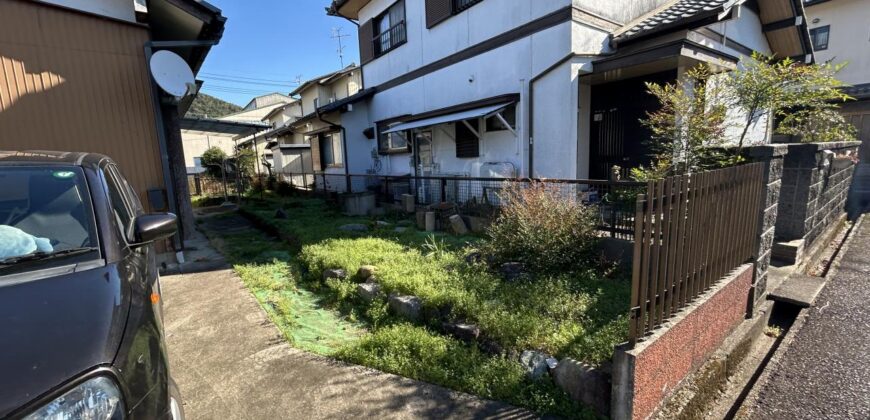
x: 389, y: 28
x: 330, y: 149
x: 820, y: 37
x: 392, y: 142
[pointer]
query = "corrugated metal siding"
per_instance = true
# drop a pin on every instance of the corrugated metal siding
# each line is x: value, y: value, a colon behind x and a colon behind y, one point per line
x: 69, y: 81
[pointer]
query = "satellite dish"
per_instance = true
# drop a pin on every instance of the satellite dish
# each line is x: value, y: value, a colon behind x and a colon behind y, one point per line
x: 172, y: 73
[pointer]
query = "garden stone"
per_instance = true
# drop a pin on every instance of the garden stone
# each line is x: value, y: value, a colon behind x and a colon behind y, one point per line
x: 354, y: 227
x: 584, y: 383
x: 535, y: 363
x: 491, y: 347
x: 458, y: 225
x: 464, y: 332
x: 368, y: 291
x: 381, y: 223
x: 400, y: 229
x: 334, y: 273
x: 474, y: 258
x: 281, y: 214
x: 366, y: 271
x: 408, y: 307
x: 511, y: 271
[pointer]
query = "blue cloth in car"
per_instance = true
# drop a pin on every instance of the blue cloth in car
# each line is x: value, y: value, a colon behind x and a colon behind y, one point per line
x: 15, y: 242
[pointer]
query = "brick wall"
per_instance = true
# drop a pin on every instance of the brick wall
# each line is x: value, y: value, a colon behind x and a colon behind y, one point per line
x: 815, y: 184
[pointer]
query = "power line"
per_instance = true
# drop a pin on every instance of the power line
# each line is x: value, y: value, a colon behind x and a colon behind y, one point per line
x: 233, y: 76
x: 245, y: 82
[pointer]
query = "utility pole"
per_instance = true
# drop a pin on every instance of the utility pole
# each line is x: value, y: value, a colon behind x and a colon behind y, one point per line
x: 337, y: 35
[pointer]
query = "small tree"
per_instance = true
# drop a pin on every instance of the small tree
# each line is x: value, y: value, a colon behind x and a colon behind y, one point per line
x: 213, y: 159
x: 805, y: 96
x: 687, y: 127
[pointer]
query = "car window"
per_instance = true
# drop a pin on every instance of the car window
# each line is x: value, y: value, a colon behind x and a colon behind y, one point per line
x: 44, y: 210
x: 129, y: 192
x: 121, y: 207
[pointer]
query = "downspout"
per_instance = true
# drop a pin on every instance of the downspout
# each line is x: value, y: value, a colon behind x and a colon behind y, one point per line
x: 548, y: 70
x: 149, y: 46
x: 343, y: 146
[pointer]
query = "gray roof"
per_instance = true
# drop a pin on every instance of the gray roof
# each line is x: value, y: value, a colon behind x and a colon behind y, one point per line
x: 673, y: 14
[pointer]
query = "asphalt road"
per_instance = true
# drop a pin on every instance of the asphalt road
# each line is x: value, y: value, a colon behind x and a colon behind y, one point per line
x: 824, y: 372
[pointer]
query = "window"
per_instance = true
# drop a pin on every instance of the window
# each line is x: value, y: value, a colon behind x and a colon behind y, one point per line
x: 438, y: 11
x: 120, y: 207
x: 330, y: 149
x: 50, y: 202
x: 389, y: 29
x: 392, y: 142
x: 820, y: 37
x: 509, y: 114
x: 467, y: 142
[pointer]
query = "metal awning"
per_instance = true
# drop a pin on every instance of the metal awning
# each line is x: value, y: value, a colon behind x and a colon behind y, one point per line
x: 470, y: 114
x: 238, y: 129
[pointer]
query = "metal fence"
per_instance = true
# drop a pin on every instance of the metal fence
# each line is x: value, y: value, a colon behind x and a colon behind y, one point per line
x: 206, y: 185
x: 690, y: 231
x: 482, y: 196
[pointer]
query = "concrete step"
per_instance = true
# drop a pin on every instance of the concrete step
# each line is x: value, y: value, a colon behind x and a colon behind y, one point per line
x: 798, y: 289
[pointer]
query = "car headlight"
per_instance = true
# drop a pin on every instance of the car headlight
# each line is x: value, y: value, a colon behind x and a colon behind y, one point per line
x: 97, y: 399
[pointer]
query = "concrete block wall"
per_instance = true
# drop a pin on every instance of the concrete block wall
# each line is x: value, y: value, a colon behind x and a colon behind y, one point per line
x: 773, y: 158
x: 815, y: 185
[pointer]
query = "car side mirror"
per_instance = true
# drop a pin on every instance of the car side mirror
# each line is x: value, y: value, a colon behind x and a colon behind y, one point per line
x: 153, y: 227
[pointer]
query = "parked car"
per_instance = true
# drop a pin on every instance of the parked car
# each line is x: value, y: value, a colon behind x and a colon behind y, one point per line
x: 81, y: 324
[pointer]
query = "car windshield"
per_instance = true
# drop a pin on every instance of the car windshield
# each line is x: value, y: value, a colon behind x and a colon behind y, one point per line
x: 45, y: 213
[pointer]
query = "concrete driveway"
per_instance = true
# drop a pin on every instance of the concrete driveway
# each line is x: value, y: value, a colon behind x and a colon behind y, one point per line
x: 231, y: 362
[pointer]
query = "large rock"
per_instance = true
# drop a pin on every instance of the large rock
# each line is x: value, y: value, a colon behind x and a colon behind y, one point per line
x: 535, y: 363
x: 354, y: 227
x: 334, y: 273
x: 408, y: 307
x: 584, y: 383
x: 366, y: 271
x: 369, y: 291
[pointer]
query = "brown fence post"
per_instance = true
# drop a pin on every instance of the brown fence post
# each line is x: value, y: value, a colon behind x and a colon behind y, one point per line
x: 197, y: 183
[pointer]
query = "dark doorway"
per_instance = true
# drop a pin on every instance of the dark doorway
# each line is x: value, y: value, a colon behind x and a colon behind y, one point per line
x: 617, y: 137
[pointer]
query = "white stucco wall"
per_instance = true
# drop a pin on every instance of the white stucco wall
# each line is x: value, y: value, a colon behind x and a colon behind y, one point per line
x: 117, y: 9
x: 849, y: 36
x: 195, y: 144
x: 477, y: 24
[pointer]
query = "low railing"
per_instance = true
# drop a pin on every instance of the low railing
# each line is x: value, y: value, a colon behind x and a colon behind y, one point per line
x: 690, y: 231
x: 481, y: 196
x: 391, y: 38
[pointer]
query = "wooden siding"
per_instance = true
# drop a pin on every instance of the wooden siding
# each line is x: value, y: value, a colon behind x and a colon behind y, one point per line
x: 74, y: 82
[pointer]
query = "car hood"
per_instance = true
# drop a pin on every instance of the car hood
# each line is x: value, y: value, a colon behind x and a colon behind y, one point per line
x: 56, y: 325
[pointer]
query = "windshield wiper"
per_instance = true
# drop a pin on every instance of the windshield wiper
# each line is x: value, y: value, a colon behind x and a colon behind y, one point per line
x: 38, y: 256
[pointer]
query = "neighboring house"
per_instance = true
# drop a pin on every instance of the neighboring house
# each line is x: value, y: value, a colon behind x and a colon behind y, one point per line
x: 840, y: 32
x: 75, y: 77
x: 314, y: 141
x: 263, y: 101
x: 239, y: 129
x: 550, y: 88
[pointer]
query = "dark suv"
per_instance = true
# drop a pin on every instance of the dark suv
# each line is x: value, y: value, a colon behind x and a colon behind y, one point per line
x: 81, y: 326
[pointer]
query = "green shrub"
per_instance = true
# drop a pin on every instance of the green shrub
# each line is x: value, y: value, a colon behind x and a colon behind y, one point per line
x: 543, y: 229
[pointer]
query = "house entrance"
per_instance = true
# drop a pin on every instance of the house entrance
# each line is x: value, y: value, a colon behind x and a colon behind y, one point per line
x: 617, y: 136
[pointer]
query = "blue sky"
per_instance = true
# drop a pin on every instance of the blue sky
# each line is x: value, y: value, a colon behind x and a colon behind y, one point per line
x: 267, y: 44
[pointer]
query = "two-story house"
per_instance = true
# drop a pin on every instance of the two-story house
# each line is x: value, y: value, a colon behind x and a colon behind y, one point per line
x: 314, y: 140
x: 840, y: 33
x: 548, y: 88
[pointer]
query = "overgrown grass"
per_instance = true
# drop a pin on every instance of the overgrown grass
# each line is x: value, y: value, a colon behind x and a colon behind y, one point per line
x: 579, y: 315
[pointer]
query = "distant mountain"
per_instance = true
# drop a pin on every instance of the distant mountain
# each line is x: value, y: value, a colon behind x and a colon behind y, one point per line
x: 209, y: 106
